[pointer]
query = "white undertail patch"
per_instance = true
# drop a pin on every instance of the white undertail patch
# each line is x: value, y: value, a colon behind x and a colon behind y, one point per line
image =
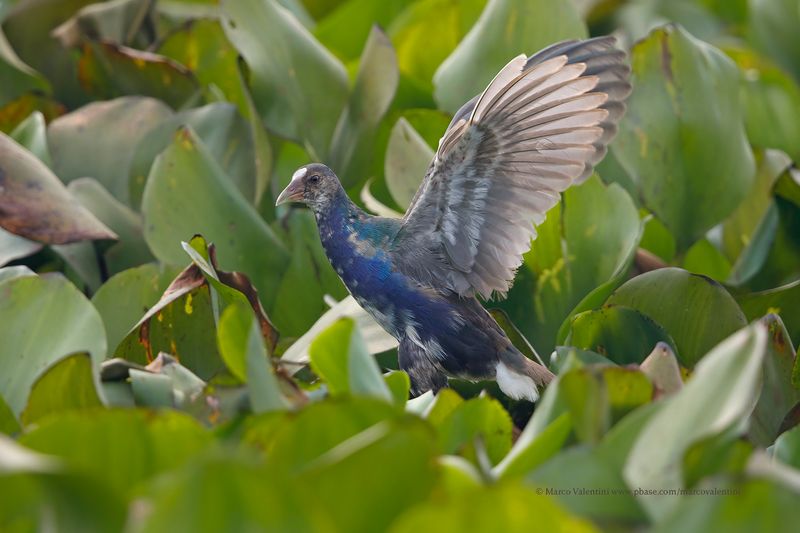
x: 516, y: 385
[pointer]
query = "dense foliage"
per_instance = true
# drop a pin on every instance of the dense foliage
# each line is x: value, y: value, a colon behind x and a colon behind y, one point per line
x: 157, y: 312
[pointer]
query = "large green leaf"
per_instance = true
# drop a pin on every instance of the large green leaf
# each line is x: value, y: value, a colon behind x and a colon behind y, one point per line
x: 502, y: 507
x: 186, y: 194
x: 299, y: 87
x: 505, y: 29
x: 682, y: 140
x: 721, y: 393
x: 42, y: 319
x: 120, y: 448
x: 783, y: 301
x: 708, y: 313
x: 407, y: 159
x: 580, y: 255
x: 70, y: 383
x: 36, y: 205
x: 353, y: 140
x: 18, y: 77
x: 339, y: 356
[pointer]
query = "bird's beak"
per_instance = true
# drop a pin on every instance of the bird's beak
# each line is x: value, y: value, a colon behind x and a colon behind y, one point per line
x: 292, y: 193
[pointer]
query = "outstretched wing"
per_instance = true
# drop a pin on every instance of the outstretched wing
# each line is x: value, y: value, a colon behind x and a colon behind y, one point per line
x: 540, y: 125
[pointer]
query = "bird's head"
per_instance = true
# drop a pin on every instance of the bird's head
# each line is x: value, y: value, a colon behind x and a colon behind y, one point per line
x: 314, y: 185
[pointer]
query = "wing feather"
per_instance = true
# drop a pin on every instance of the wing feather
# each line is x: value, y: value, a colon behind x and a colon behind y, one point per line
x: 541, y: 125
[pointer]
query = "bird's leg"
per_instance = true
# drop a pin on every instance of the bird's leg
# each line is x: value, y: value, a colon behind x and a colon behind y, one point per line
x: 423, y: 373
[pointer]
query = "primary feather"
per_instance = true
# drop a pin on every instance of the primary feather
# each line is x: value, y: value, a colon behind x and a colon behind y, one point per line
x: 540, y: 125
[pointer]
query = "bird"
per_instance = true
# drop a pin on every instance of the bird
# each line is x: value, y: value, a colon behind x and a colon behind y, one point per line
x: 540, y: 125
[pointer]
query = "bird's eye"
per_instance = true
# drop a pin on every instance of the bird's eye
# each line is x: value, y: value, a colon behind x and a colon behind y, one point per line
x: 313, y: 179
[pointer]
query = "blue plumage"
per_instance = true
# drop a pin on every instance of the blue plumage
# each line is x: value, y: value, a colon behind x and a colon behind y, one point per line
x: 541, y: 124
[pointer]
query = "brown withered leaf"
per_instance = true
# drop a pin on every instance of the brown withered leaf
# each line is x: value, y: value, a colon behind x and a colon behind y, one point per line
x: 35, y: 204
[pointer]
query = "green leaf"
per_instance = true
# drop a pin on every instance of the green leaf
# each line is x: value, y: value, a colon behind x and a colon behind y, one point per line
x: 662, y: 369
x: 8, y: 422
x: 34, y: 204
x: 222, y: 492
x: 535, y: 451
x: 107, y: 70
x: 407, y: 159
x: 721, y: 393
x: 783, y: 301
x: 124, y: 298
x: 505, y: 28
x: 352, y: 477
x: 706, y: 259
x: 582, y: 253
x: 119, y: 448
x: 507, y: 507
x: 18, y: 78
x: 359, y: 17
x: 186, y: 194
x: 787, y: 447
x: 339, y: 356
x: 299, y: 87
x: 99, y: 140
x: 622, y: 334
x: 683, y: 133
x: 778, y: 392
x: 478, y: 418
x: 69, y: 384
x: 202, y: 47
x: 31, y: 133
x: 42, y: 320
x: 399, y: 384
x: 772, y: 30
x: 710, y: 315
x: 14, y: 247
x: 353, y: 140
x: 118, y: 21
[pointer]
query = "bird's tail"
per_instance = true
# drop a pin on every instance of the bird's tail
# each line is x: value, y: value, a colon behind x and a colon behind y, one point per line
x: 519, y: 377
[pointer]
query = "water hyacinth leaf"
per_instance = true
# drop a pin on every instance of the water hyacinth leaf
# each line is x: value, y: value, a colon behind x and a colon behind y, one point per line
x: 262, y: 385
x: 772, y: 30
x: 202, y: 47
x: 130, y: 250
x: 778, y: 392
x: 360, y: 17
x: 771, y: 102
x: 43, y: 319
x: 563, y: 357
x: 339, y: 356
x: 123, y: 299
x: 204, y: 495
x: 536, y: 451
x: 399, y: 384
x: 787, y: 447
x: 622, y: 334
x: 426, y: 32
x: 706, y: 259
x: 356, y: 472
x: 559, y: 278
x: 377, y: 340
x: 32, y: 134
x: 18, y: 78
x: 299, y: 87
x: 509, y: 507
x: 722, y: 391
x: 225, y: 134
x: 107, y: 70
x: 34, y: 204
x: 17, y: 271
x: 505, y: 28
x: 262, y: 147
x: 118, y: 21
x: 783, y: 301
x: 407, y: 159
x: 120, y: 448
x: 99, y: 139
x: 712, y: 314
x: 67, y: 385
x: 15, y: 247
x: 375, y: 85
x: 8, y: 422
x: 683, y: 132
x: 477, y: 418
x: 186, y: 194
x: 308, y: 278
